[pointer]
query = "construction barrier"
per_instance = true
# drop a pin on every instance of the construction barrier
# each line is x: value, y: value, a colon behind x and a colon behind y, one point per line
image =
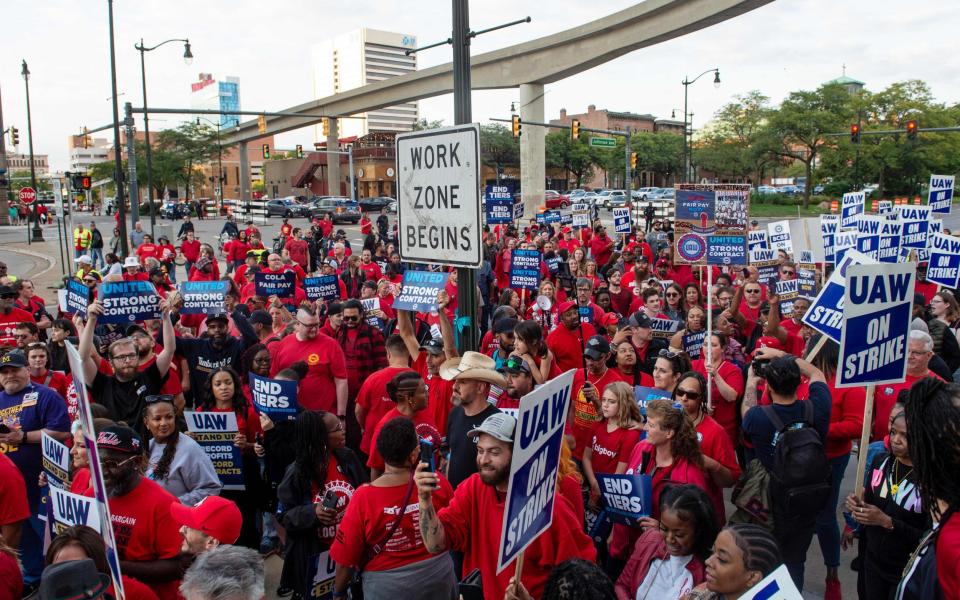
x: 916, y: 200
x: 833, y: 206
x: 255, y: 210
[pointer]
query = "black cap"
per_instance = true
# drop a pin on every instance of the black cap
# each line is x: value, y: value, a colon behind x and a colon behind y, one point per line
x: 156, y: 271
x: 597, y: 346
x: 72, y: 580
x: 14, y: 358
x: 515, y: 365
x: 120, y: 438
x: 334, y: 308
x: 260, y: 316
x: 433, y: 346
x: 640, y: 319
x: 219, y: 317
x: 765, y: 307
x: 506, y: 325
x: 6, y: 290
x: 132, y: 329
x: 251, y: 270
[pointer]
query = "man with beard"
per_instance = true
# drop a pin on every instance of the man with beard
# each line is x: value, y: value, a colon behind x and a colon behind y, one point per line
x: 147, y: 355
x: 568, y: 340
x: 211, y: 522
x: 124, y: 393
x: 519, y: 384
x: 10, y: 316
x: 472, y: 377
x: 588, y: 385
x: 27, y: 411
x: 473, y: 521
x: 364, y: 354
x: 503, y: 330
x: 148, y: 542
x: 588, y: 309
x: 27, y: 333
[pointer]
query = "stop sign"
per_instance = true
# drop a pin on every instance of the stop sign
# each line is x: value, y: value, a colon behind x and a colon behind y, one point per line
x: 28, y: 195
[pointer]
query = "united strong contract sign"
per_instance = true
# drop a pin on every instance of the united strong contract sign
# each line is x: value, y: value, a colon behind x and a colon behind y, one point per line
x: 438, y: 206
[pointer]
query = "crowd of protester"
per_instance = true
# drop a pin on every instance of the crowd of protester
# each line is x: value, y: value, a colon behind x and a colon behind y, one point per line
x: 750, y: 413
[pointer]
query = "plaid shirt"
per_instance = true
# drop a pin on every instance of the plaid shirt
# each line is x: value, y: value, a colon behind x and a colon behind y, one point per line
x: 365, y: 354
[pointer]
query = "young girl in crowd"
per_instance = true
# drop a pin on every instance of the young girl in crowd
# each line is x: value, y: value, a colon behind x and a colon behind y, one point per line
x: 726, y: 381
x: 613, y: 437
x: 743, y: 554
x: 531, y: 347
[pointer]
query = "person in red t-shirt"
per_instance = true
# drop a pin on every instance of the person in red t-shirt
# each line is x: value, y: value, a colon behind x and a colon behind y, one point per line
x: 298, y: 249
x: 409, y: 393
x: 14, y: 509
x: 10, y: 316
x: 379, y: 514
x: 38, y: 361
x: 370, y: 269
x: 373, y: 402
x: 613, y: 436
x: 588, y: 384
x: 148, y: 540
x: 601, y: 246
x: 325, y: 386
x: 473, y: 521
x: 919, y: 353
x: 567, y: 341
x: 726, y: 383
x: 147, y: 249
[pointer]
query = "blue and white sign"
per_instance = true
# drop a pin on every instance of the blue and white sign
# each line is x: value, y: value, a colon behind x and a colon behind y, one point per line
x: 78, y: 297
x: 72, y: 509
x: 626, y: 498
x: 877, y: 306
x: 581, y: 215
x: 828, y: 229
x: 890, y: 231
x: 843, y: 240
x: 204, y: 297
x: 852, y: 206
x: 551, y: 216
x: 517, y: 210
x: 499, y: 202
x: 664, y: 328
x: 419, y: 290
x: 826, y: 312
x: 644, y: 395
x: 56, y: 461
x: 726, y: 250
x: 765, y: 262
x: 275, y: 398
x: 757, y: 240
x: 885, y: 207
x: 944, y: 264
x: 693, y: 344
x: 788, y: 290
x: 215, y: 432
x: 940, y: 195
x: 916, y: 225
x: 324, y: 287
x: 775, y: 586
x: 779, y: 236
x: 525, y: 269
x: 128, y: 302
x: 621, y: 220
x: 321, y: 573
x: 531, y: 492
x: 868, y: 238
x: 281, y: 285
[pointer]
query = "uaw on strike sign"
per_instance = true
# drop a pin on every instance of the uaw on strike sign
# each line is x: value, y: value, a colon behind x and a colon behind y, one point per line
x: 438, y: 206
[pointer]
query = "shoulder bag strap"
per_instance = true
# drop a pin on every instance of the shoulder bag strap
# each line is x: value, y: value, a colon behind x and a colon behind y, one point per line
x: 377, y: 548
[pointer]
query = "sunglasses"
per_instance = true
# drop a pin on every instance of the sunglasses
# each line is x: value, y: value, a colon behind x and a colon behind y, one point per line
x: 155, y: 398
x: 751, y: 291
x: 785, y: 272
x: 351, y: 318
x: 114, y: 465
x: 668, y: 354
x: 681, y: 393
x: 308, y: 325
x: 673, y: 295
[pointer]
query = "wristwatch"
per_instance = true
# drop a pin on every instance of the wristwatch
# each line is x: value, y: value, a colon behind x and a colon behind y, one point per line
x: 342, y: 594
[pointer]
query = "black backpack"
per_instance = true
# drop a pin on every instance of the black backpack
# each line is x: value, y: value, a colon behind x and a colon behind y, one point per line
x: 800, y: 479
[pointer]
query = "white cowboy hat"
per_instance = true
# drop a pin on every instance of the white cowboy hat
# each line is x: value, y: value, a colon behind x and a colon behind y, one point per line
x: 472, y: 365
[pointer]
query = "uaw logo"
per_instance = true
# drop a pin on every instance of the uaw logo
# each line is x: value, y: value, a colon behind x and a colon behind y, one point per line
x: 691, y: 247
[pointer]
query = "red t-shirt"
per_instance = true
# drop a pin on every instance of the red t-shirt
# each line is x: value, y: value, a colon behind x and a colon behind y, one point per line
x: 371, y: 270
x: 145, y: 251
x: 191, y: 250
x: 337, y: 482
x: 846, y: 418
x: 585, y: 413
x: 248, y: 423
x: 11, y: 581
x: 948, y: 556
x: 373, y: 399
x: 441, y: 391
x: 473, y: 523
x: 567, y: 347
x: 299, y: 251
x: 58, y: 381
x: 422, y: 421
x: 325, y: 362
x: 611, y: 447
x: 568, y: 487
x: 715, y: 443
x: 144, y: 529
x: 884, y: 398
x: 370, y: 516
x: 724, y: 412
x: 9, y: 322
x: 928, y: 289
x: 81, y: 481
x: 13, y: 493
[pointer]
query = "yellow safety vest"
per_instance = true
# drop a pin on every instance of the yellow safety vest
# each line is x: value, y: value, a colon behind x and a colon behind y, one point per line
x: 81, y: 240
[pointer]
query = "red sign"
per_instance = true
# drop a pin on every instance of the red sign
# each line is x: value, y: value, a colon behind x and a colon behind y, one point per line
x: 28, y: 195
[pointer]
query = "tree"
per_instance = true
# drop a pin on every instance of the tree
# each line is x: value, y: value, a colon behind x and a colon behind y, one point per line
x: 498, y: 148
x: 660, y: 152
x: 731, y: 146
x: 21, y: 179
x: 423, y: 124
x: 575, y: 157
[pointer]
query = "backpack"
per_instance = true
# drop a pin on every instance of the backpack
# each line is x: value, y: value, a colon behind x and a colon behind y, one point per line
x: 800, y: 479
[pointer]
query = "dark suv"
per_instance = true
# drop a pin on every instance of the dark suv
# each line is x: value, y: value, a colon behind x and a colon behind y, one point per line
x: 285, y: 207
x: 344, y: 210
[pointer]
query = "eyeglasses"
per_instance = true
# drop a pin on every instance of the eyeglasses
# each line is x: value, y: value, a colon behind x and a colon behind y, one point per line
x: 114, y: 465
x: 681, y: 393
x: 673, y: 295
x: 21, y: 336
x: 309, y: 325
x: 124, y: 358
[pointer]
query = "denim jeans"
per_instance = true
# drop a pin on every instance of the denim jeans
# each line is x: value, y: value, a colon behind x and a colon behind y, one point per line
x: 96, y: 255
x: 828, y: 531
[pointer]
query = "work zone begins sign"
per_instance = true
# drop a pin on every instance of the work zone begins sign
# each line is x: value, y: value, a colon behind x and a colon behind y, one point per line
x: 438, y: 206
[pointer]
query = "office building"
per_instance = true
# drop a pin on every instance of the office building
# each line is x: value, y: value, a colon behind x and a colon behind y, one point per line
x: 208, y: 93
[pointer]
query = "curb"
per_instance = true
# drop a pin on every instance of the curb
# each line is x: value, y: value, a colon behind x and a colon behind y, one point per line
x: 51, y: 262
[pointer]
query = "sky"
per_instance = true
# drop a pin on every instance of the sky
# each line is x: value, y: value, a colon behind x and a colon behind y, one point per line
x: 780, y: 47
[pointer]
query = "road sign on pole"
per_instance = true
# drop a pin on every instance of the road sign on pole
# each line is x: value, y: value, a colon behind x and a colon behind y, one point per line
x: 599, y: 142
x: 438, y: 206
x: 28, y: 195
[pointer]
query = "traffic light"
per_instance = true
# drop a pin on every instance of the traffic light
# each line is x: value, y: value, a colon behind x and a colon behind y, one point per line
x: 262, y: 124
x: 326, y: 127
x: 515, y: 126
x: 14, y: 136
x: 633, y: 160
x: 854, y: 134
x: 575, y: 129
x: 266, y: 151
x: 85, y: 182
x: 912, y: 129
x: 86, y: 138
x: 299, y: 151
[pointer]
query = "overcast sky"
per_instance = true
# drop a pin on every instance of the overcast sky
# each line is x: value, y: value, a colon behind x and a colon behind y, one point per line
x: 783, y: 46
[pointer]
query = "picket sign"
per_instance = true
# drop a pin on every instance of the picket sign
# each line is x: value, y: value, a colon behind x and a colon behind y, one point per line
x: 778, y: 585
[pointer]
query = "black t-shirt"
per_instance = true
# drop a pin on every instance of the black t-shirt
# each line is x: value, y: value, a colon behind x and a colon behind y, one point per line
x: 124, y: 400
x: 463, y: 449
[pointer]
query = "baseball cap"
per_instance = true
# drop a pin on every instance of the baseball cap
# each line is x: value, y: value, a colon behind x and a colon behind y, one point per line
x: 14, y: 358
x: 132, y: 329
x: 504, y: 325
x: 597, y: 346
x: 85, y: 260
x: 499, y: 425
x: 332, y: 262
x: 432, y: 346
x: 565, y: 306
x: 131, y: 261
x: 260, y: 316
x: 213, y: 515
x: 121, y: 439
x: 640, y: 319
x: 566, y: 230
x: 610, y: 318
x: 515, y: 365
x: 220, y: 317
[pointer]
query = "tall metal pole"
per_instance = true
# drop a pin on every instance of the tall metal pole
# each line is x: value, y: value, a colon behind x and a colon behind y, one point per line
x: 220, y: 177
x: 463, y: 113
x: 37, y: 232
x: 146, y: 139
x: 353, y: 183
x: 117, y: 161
x: 627, y: 180
x: 686, y: 130
x: 4, y: 176
x: 132, y: 165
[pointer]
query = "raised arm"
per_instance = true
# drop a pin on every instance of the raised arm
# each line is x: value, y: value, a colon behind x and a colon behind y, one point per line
x: 446, y: 328
x: 169, y: 339
x: 85, y: 346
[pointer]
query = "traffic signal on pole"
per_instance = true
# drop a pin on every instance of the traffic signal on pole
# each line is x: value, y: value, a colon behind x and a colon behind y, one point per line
x: 85, y: 182
x: 854, y: 134
x: 14, y: 136
x: 299, y: 151
x: 326, y: 127
x: 266, y: 151
x: 515, y: 126
x: 575, y: 129
x: 911, y: 129
x: 262, y: 124
x: 633, y: 160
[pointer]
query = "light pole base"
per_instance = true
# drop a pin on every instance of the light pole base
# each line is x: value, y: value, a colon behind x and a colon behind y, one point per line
x: 36, y: 234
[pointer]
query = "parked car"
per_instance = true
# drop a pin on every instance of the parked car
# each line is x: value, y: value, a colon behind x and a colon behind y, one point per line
x: 344, y: 210
x: 392, y: 207
x: 285, y: 207
x: 614, y: 199
x: 818, y: 189
x: 766, y: 189
x: 554, y: 199
x: 174, y: 210
x: 642, y: 193
x: 790, y: 190
x: 661, y: 194
x: 375, y: 203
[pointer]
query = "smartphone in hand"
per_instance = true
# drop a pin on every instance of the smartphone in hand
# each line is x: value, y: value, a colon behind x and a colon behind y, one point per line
x: 426, y: 455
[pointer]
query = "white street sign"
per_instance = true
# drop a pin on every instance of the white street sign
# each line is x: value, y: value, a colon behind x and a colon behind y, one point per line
x: 438, y: 202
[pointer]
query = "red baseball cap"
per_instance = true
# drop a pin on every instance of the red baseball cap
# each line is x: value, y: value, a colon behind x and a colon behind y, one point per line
x: 215, y: 516
x: 564, y: 307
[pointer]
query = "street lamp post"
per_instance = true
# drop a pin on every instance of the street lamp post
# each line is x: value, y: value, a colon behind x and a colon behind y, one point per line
x: 37, y: 233
x: 117, y: 159
x: 188, y: 58
x: 686, y: 127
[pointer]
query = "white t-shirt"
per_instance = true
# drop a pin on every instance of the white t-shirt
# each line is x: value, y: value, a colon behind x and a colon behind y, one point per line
x: 666, y: 579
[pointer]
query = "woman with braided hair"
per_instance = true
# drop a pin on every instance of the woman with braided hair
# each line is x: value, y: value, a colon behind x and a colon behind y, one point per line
x: 176, y: 462
x: 933, y: 428
x: 743, y: 555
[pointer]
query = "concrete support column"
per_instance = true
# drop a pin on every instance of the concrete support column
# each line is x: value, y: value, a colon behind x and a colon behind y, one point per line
x: 244, y: 182
x: 333, y: 160
x: 532, y: 158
